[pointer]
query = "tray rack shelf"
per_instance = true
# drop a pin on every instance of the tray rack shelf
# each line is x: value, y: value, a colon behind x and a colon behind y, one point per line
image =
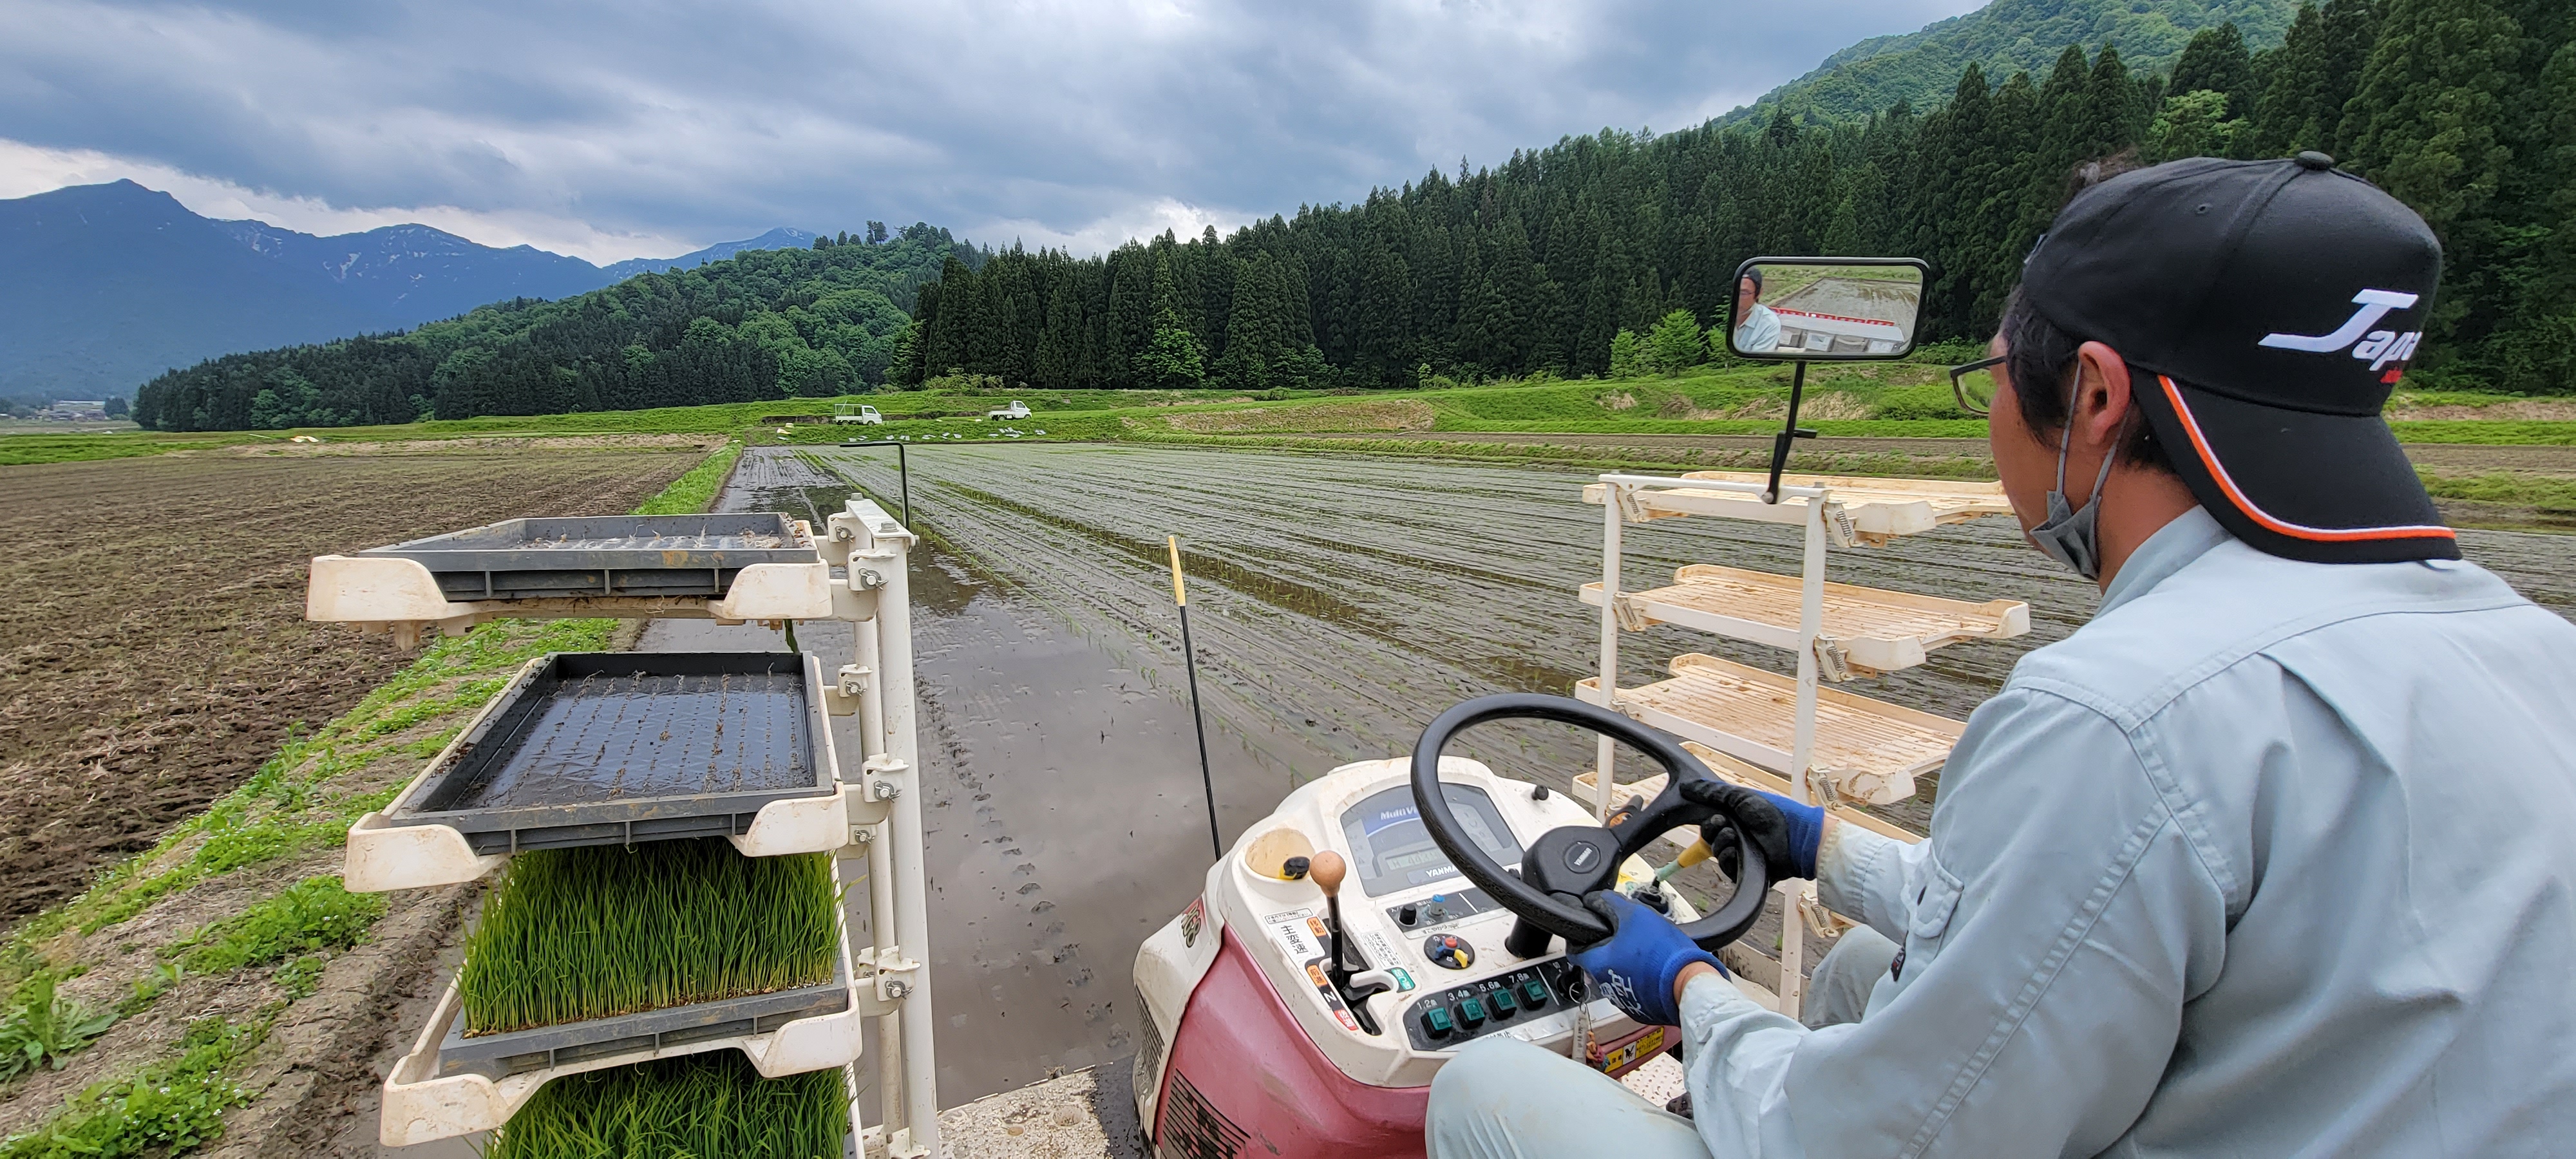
x: 1877, y: 631
x: 619, y: 748
x: 1788, y: 734
x: 731, y: 568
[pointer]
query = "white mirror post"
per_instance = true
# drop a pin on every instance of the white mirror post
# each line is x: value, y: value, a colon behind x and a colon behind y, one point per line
x: 1805, y: 310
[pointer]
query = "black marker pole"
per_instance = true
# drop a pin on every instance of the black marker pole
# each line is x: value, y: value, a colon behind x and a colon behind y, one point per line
x: 1190, y: 660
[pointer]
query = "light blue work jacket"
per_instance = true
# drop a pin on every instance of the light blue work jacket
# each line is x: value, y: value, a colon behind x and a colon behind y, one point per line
x: 2270, y: 859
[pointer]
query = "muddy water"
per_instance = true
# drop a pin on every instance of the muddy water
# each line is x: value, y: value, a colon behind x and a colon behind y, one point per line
x: 1063, y: 804
x: 1338, y: 603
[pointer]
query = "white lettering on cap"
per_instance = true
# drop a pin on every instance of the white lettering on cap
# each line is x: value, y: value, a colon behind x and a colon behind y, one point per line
x: 2375, y: 304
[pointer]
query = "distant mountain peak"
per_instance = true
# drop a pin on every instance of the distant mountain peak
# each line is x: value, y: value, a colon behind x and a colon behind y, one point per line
x: 781, y: 238
x: 103, y: 286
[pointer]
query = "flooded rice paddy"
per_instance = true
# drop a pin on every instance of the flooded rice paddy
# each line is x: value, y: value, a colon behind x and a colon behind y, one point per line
x: 1338, y: 602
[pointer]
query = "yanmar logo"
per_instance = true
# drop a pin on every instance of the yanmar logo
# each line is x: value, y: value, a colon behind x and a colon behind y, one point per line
x: 2376, y: 347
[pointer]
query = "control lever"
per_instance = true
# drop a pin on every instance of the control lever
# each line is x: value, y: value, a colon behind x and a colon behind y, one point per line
x: 1326, y: 870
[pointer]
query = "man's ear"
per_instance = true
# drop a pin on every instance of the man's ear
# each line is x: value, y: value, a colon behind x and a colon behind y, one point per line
x: 2102, y: 403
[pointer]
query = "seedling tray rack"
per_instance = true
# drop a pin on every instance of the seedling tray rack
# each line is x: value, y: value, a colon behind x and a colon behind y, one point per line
x: 1821, y: 746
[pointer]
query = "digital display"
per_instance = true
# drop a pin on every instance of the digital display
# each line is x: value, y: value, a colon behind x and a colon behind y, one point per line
x: 1423, y: 856
x: 1391, y: 850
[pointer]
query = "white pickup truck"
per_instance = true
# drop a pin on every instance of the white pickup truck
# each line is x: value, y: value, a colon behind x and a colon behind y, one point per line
x: 1017, y: 410
x: 857, y: 413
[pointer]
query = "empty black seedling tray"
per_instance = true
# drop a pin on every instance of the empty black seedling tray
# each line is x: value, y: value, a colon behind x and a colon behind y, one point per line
x: 604, y: 555
x: 613, y: 748
x: 519, y: 1051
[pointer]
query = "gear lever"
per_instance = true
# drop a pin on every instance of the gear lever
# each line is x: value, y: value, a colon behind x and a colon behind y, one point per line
x: 1327, y: 870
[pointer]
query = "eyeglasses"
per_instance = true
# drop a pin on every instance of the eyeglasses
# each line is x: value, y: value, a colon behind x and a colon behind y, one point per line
x: 1975, y: 384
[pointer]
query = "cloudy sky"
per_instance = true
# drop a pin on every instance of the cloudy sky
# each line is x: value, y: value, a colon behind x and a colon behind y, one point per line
x: 651, y: 127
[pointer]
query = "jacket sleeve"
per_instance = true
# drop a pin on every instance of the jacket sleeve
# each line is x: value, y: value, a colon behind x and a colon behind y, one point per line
x: 2052, y: 925
x: 1863, y: 876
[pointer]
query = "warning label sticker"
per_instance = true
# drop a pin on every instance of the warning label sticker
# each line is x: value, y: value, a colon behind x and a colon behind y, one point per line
x: 1301, y: 938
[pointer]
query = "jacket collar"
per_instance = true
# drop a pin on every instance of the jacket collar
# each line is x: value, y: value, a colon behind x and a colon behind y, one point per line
x: 2172, y: 548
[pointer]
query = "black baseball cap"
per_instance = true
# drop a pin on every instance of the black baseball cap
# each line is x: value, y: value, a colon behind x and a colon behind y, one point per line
x: 2266, y: 310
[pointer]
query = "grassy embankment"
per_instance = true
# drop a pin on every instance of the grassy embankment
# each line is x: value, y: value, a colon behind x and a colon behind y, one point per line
x: 1901, y: 400
x: 299, y: 804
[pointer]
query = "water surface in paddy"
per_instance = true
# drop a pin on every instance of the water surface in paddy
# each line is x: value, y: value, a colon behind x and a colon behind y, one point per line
x: 1337, y: 604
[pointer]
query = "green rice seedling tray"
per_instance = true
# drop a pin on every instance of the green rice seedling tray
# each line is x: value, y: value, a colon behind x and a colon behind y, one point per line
x: 423, y: 1099
x: 615, y: 748
x: 605, y: 555
x: 548, y: 1047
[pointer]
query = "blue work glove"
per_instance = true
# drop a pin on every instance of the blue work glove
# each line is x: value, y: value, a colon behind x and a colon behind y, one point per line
x: 1786, y: 831
x: 1635, y: 966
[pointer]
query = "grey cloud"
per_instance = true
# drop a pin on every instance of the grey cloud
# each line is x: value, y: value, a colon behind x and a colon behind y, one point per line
x: 712, y: 121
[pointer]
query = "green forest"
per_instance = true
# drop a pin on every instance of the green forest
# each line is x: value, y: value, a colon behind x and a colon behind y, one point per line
x: 763, y: 325
x: 2002, y: 38
x: 2465, y: 109
x: 1600, y: 255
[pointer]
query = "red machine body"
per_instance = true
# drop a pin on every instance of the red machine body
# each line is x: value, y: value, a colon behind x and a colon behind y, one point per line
x: 1244, y: 1079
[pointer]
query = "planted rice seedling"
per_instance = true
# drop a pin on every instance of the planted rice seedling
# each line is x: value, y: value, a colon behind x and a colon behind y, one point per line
x: 570, y: 935
x: 679, y: 1108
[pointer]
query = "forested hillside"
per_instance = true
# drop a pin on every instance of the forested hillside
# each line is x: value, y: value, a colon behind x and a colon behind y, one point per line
x: 764, y: 324
x: 2003, y: 38
x: 2465, y: 109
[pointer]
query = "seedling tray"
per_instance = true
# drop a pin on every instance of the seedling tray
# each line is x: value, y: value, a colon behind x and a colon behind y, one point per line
x: 613, y: 748
x: 548, y: 1047
x: 423, y: 1100
x: 604, y: 555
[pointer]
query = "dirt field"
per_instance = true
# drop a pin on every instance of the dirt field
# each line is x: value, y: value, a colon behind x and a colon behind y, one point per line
x: 153, y: 652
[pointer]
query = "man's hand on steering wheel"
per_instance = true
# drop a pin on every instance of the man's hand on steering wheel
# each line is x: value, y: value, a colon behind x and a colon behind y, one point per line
x: 1786, y: 831
x: 1636, y: 966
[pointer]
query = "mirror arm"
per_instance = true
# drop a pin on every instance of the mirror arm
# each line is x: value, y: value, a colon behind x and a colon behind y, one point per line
x: 1789, y: 432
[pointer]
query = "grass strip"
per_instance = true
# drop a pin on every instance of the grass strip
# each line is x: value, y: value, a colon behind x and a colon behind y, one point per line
x: 2548, y: 493
x: 168, y: 1108
x: 308, y: 917
x: 696, y: 490
x: 680, y: 1108
x: 570, y: 935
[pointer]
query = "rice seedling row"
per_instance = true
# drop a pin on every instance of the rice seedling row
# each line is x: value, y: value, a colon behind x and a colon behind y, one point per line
x: 681, y: 1108
x: 573, y: 935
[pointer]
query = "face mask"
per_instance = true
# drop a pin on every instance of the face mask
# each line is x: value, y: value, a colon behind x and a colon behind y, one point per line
x: 2069, y: 536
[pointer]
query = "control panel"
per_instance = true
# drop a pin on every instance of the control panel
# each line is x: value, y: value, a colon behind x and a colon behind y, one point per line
x: 1447, y: 1018
x: 1441, y: 909
x: 1425, y: 948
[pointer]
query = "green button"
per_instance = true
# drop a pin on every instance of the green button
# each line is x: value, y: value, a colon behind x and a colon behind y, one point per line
x: 1436, y: 1021
x: 1534, y: 994
x: 1472, y: 1012
x: 1504, y: 1007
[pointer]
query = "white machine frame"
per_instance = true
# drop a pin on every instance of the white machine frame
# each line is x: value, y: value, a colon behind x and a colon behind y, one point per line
x: 1831, y: 512
x: 873, y: 826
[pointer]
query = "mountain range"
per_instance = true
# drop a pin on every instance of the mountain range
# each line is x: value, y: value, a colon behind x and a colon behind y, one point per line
x: 104, y: 286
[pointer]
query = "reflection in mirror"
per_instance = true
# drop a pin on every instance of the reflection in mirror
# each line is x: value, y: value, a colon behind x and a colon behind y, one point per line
x: 1826, y: 309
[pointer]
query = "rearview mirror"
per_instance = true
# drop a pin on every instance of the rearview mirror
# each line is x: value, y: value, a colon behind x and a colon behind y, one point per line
x: 1826, y: 309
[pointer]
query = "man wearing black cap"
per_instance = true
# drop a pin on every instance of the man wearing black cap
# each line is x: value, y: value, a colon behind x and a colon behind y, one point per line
x: 2276, y: 856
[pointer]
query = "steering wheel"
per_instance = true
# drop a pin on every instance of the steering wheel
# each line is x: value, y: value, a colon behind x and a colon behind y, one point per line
x: 1569, y: 861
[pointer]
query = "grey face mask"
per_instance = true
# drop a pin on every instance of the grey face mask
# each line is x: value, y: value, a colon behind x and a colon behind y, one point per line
x: 2069, y: 536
